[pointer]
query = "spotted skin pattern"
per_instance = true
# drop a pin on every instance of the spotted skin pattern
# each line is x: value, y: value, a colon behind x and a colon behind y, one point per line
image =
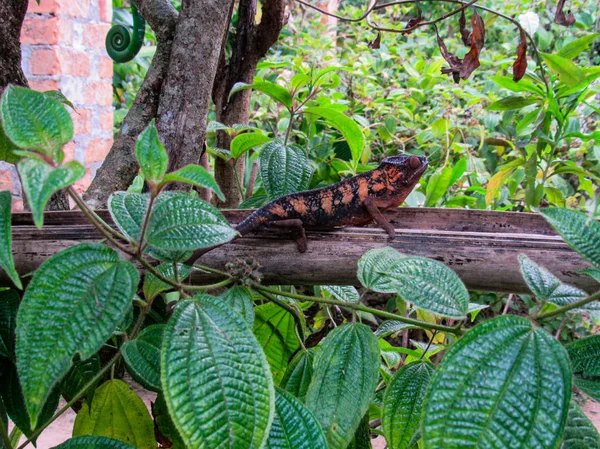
x: 343, y: 204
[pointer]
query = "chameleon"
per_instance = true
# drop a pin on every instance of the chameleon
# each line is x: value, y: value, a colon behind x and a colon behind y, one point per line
x: 354, y: 201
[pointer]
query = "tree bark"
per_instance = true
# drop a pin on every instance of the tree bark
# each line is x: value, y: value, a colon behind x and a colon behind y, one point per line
x: 251, y: 43
x: 120, y: 166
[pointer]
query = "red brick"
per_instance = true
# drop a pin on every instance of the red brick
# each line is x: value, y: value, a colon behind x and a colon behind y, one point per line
x: 45, y: 6
x: 40, y: 30
x: 106, y: 67
x: 5, y: 180
x: 94, y: 35
x: 81, y: 185
x: 43, y: 85
x: 107, y: 120
x: 97, y: 150
x: 74, y: 8
x: 17, y: 206
x: 75, y: 63
x: 65, y: 31
x: 69, y: 150
x: 105, y: 9
x: 82, y: 121
x: 45, y: 62
x: 99, y: 93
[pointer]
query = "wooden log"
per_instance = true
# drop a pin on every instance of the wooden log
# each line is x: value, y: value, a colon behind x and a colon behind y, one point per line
x: 482, y: 247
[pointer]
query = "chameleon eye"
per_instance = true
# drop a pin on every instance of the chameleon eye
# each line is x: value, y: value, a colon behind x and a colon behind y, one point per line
x: 414, y: 162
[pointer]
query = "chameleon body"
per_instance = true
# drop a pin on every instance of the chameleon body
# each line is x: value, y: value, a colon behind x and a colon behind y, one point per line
x: 344, y: 203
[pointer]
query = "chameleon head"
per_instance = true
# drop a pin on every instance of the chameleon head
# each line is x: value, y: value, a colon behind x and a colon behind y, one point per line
x: 404, y: 169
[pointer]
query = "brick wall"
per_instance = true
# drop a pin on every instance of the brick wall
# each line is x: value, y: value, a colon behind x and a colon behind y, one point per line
x: 63, y: 49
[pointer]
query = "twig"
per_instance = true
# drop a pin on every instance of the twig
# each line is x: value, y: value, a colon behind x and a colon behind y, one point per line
x: 428, y: 345
x: 507, y: 305
x: 368, y: 11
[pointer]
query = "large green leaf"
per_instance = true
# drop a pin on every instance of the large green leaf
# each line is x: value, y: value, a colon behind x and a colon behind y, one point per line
x: 585, y: 355
x: 197, y: 176
x: 344, y: 381
x: 84, y: 292
x: 568, y: 72
x: 505, y: 384
x: 247, y: 141
x: 547, y: 287
x: 93, y: 442
x: 117, y: 412
x: 153, y: 286
x: 284, y: 169
x: 373, y: 266
x: 299, y: 374
x: 33, y: 121
x: 215, y: 377
x: 239, y: 299
x: 510, y: 103
x: 164, y: 423
x: 392, y: 327
x: 576, y: 47
x: 437, y: 186
x: 294, y: 427
x: 344, y: 293
x: 180, y: 223
x: 275, y: 330
x: 81, y: 373
x: 9, y: 304
x: 345, y: 125
x: 151, y: 154
x: 403, y: 402
x: 275, y: 91
x: 40, y: 181
x: 6, y: 259
x: 142, y: 357
x: 128, y: 210
x: 580, y: 432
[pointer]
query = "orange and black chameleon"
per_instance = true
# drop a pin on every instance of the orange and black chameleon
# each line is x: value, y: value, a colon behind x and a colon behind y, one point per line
x: 353, y: 202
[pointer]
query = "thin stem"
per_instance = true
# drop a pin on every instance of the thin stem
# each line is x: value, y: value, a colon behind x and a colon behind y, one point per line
x: 145, y: 225
x: 433, y: 334
x: 573, y: 305
x: 4, y: 435
x: 211, y: 270
x: 507, y: 305
x: 341, y: 18
x: 79, y: 394
x: 289, y: 129
x: 355, y: 306
x: 292, y: 311
x: 82, y: 205
x: 201, y: 288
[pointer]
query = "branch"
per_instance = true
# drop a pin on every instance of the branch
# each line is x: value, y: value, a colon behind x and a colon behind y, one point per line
x: 267, y: 31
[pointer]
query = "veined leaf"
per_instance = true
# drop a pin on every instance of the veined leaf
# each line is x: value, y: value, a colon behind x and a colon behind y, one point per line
x: 392, y: 327
x: 7, y: 148
x: 215, y: 377
x: 547, y: 287
x: 153, y: 286
x: 239, y: 299
x: 299, y: 374
x: 345, y: 125
x: 585, y: 355
x: 59, y: 96
x: 438, y: 186
x: 344, y: 381
x: 117, y: 412
x: 142, y: 357
x: 84, y: 292
x: 591, y: 387
x: 33, y: 121
x: 80, y: 374
x: 6, y: 259
x: 197, y: 176
x: 344, y: 293
x: 9, y: 304
x: 568, y: 72
x: 151, y: 154
x: 284, y: 169
x: 510, y: 103
x: 247, y: 141
x: 93, y: 442
x: 275, y: 330
x: 40, y: 181
x: 504, y: 385
x: 275, y: 91
x: 580, y: 432
x: 164, y: 423
x: 579, y: 231
x: 294, y: 427
x: 180, y: 223
x: 128, y: 210
x: 362, y: 436
x: 372, y: 267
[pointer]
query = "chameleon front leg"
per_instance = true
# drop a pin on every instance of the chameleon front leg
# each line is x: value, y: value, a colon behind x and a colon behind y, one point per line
x: 296, y: 225
x: 379, y: 218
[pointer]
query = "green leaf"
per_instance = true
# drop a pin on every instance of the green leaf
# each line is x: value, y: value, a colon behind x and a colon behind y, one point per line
x: 60, y: 97
x: 275, y: 330
x: 84, y: 291
x: 117, y: 412
x: 294, y: 427
x: 579, y: 231
x: 215, y: 377
x: 246, y: 141
x: 142, y: 357
x: 344, y: 381
x: 510, y: 103
x: 458, y: 170
x: 9, y: 304
x: 299, y: 374
x: 7, y: 148
x: 239, y: 299
x: 6, y: 259
x: 362, y: 436
x: 197, y: 176
x: 128, y: 210
x: 181, y: 223
x: 80, y: 374
x: 585, y: 355
x: 547, y: 287
x: 93, y: 442
x: 151, y: 154
x: 275, y: 91
x: 576, y: 47
x: 392, y: 327
x: 40, y: 182
x: 372, y: 267
x: 403, y: 402
x: 568, y: 72
x: 504, y: 385
x: 580, y: 432
x: 437, y: 186
x: 345, y: 125
x: 344, y: 293
x: 153, y: 286
x: 165, y: 425
x: 33, y: 121
x: 591, y: 387
x: 284, y: 169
